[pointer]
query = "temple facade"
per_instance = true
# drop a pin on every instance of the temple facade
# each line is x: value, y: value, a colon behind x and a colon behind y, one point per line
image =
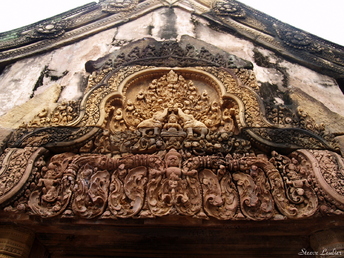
x: 170, y: 128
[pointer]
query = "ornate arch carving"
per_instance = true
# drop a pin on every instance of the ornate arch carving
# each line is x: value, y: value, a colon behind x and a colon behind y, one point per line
x: 186, y: 135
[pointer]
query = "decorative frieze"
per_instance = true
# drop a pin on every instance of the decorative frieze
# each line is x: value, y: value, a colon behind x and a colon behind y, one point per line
x: 152, y: 141
x: 238, y: 186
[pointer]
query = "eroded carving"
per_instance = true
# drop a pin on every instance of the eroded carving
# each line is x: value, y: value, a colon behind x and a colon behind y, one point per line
x: 229, y: 8
x: 114, y: 6
x: 245, y: 186
x: 54, y: 189
x: 149, y: 142
x: 297, y: 39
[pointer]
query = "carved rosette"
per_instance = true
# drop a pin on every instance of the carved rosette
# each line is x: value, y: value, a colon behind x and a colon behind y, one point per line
x: 49, y: 29
x: 229, y: 8
x: 297, y: 39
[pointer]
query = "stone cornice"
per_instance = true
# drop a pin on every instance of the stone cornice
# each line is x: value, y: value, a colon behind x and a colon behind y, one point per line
x: 294, y: 44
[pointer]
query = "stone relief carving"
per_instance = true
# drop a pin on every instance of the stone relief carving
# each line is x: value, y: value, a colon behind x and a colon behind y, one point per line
x: 149, y: 52
x: 49, y: 29
x: 54, y: 189
x: 297, y: 39
x: 229, y: 8
x: 149, y: 141
x: 63, y: 114
x: 115, y: 6
x: 238, y: 186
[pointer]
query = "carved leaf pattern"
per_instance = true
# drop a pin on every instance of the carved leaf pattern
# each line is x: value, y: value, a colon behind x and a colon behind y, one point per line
x: 192, y: 203
x: 219, y: 199
x: 141, y: 186
x: 91, y: 192
x: 157, y: 194
x: 54, y: 190
x: 255, y: 199
x: 127, y: 197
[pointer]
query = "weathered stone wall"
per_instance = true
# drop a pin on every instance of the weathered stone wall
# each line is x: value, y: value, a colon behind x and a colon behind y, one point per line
x: 37, y: 82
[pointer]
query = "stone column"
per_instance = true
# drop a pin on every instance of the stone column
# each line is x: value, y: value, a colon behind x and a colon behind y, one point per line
x: 15, y: 241
x: 328, y: 243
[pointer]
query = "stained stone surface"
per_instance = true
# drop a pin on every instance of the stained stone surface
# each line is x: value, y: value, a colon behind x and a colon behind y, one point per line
x: 65, y: 66
x: 25, y: 112
x: 157, y: 132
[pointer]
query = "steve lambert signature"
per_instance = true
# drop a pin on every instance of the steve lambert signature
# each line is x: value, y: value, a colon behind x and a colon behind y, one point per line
x: 334, y: 251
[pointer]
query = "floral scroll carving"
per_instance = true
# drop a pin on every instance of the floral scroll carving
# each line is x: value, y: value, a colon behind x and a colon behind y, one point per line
x: 154, y: 141
x: 54, y: 190
x: 248, y: 186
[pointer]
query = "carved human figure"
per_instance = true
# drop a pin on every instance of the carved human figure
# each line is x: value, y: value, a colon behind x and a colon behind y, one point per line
x: 48, y: 183
x: 172, y: 124
x: 295, y: 181
x: 54, y: 189
x: 213, y: 115
x: 173, y: 163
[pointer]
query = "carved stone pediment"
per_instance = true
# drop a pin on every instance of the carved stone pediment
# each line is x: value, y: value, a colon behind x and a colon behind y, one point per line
x: 156, y: 140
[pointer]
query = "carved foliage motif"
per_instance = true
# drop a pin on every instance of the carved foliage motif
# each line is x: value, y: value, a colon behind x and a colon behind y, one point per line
x: 328, y: 175
x: 247, y: 186
x: 148, y: 142
x: 54, y: 189
x: 161, y: 101
x: 166, y: 54
x: 63, y: 114
x: 17, y: 166
x: 254, y: 189
x: 150, y: 107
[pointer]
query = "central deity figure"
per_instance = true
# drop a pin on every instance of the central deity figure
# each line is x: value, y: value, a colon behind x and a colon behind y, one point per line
x: 173, y: 163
